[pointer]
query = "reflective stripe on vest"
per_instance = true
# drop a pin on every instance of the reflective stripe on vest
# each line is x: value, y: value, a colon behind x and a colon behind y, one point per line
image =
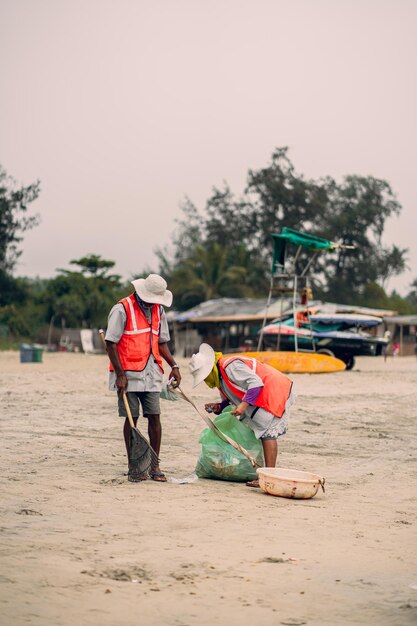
x: 140, y: 339
x: 275, y: 392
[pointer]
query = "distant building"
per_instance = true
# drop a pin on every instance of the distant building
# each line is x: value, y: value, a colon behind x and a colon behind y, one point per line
x: 233, y: 324
x: 227, y: 324
x: 403, y: 329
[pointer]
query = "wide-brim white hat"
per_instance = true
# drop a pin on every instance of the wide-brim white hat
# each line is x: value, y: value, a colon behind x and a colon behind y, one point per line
x: 153, y: 289
x: 201, y: 364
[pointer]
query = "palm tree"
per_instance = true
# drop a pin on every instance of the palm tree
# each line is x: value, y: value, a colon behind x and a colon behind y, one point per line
x: 206, y: 275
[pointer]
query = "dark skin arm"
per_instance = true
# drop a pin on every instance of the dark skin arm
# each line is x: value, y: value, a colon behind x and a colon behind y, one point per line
x: 165, y: 353
x: 121, y: 380
x: 240, y: 409
x: 213, y: 407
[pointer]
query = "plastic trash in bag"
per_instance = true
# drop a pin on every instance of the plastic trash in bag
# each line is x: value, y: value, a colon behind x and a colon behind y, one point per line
x: 191, y: 478
x: 220, y: 460
x: 167, y: 392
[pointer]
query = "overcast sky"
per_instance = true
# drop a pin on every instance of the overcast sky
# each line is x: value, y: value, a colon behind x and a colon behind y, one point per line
x: 122, y: 108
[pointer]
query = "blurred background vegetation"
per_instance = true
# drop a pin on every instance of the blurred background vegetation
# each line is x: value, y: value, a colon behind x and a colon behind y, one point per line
x: 223, y: 250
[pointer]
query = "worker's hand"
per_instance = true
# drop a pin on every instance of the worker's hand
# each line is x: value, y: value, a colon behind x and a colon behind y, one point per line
x: 121, y: 382
x: 240, y: 409
x: 213, y: 407
x: 175, y: 377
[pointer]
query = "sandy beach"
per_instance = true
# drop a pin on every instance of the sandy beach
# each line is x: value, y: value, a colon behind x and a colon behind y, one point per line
x: 81, y: 545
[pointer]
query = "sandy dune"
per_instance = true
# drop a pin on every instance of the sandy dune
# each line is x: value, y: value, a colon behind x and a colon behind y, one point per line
x: 80, y: 545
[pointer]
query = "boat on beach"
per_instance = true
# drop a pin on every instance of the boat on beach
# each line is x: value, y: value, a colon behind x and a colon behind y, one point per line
x: 297, y: 362
x: 341, y: 335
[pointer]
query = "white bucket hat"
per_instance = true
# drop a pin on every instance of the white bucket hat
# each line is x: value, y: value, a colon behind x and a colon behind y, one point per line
x: 153, y: 289
x: 201, y: 364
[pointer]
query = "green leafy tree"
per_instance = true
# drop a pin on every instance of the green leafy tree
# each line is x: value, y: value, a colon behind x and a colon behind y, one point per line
x: 357, y: 210
x: 231, y: 224
x: 213, y: 251
x: 350, y: 213
x: 11, y: 289
x: 94, y: 265
x: 23, y: 310
x: 374, y: 293
x: 228, y: 219
x: 206, y: 275
x: 188, y: 235
x: 399, y: 304
x: 412, y: 295
x: 282, y: 197
x: 392, y: 263
x: 14, y: 221
x: 83, y: 298
x: 16, y: 311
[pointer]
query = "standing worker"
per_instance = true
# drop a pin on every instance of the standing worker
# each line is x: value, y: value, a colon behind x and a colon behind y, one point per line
x: 136, y: 338
x: 261, y: 395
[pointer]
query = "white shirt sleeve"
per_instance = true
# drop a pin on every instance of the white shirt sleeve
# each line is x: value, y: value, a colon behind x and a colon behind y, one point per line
x: 164, y: 335
x: 116, y: 323
x: 242, y: 375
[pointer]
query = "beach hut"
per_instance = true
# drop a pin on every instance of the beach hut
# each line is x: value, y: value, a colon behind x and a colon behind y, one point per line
x: 403, y: 329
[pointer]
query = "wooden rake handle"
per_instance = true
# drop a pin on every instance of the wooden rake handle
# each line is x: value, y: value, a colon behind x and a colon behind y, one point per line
x: 128, y: 411
x: 221, y: 435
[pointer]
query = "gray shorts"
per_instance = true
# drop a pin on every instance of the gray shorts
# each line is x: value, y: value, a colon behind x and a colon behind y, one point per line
x: 278, y: 428
x: 148, y: 399
x: 264, y: 424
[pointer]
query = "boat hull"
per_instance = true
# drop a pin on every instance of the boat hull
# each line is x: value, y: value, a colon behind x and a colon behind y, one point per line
x: 298, y: 362
x: 342, y: 345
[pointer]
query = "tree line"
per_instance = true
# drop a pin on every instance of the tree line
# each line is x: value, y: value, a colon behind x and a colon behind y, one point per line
x: 223, y: 250
x: 226, y: 249
x: 73, y: 298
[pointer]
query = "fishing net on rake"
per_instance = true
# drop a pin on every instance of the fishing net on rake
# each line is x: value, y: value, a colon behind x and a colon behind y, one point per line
x: 141, y: 457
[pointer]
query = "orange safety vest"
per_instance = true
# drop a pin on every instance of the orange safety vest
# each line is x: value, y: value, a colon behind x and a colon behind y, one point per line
x: 140, y: 338
x: 275, y: 392
x: 301, y: 317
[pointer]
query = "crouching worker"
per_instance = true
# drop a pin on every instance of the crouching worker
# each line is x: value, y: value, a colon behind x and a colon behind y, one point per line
x: 137, y: 337
x: 261, y: 395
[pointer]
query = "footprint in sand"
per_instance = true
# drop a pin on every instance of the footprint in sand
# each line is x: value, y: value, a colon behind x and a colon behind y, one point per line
x: 28, y: 512
x: 128, y: 574
x: 112, y: 481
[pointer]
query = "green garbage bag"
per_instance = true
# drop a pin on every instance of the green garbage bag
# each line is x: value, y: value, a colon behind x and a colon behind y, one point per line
x: 219, y: 459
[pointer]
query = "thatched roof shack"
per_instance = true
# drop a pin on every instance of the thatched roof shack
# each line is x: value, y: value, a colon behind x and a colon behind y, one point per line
x: 227, y: 324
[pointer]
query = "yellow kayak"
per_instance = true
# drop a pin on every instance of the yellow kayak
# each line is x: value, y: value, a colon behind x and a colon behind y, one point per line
x: 298, y: 362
